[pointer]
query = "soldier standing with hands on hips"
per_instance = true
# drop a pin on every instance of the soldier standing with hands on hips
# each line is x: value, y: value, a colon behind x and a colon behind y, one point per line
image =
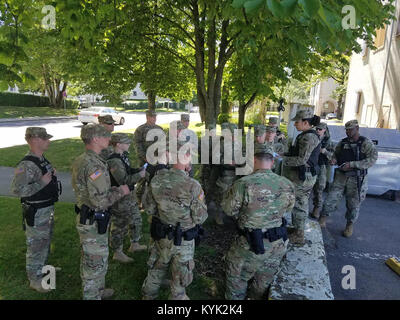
x: 94, y: 194
x: 36, y: 183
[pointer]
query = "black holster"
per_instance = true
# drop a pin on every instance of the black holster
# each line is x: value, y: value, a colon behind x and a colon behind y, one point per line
x: 255, y: 239
x: 85, y: 213
x: 28, y: 215
x: 178, y: 235
x: 102, y: 218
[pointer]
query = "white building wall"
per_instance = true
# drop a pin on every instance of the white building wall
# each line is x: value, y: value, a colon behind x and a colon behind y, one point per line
x: 367, y: 76
x: 321, y: 94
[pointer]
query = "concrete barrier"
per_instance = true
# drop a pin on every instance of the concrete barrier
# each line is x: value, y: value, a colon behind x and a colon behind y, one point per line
x: 304, y: 273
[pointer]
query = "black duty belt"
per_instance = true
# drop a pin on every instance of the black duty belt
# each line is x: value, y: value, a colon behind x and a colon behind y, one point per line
x: 40, y: 205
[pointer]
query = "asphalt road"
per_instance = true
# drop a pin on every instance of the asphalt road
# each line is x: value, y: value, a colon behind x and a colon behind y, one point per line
x: 12, y: 133
x: 376, y: 238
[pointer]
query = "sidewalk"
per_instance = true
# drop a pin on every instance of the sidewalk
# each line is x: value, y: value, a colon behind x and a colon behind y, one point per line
x: 7, y: 174
x: 39, y: 118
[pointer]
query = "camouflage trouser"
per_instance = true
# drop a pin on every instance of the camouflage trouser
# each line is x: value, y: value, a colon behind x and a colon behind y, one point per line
x: 303, y: 191
x: 347, y: 186
x: 125, y: 214
x: 38, y: 239
x: 223, y: 185
x: 94, y: 260
x: 163, y: 254
x: 319, y: 187
x: 243, y: 265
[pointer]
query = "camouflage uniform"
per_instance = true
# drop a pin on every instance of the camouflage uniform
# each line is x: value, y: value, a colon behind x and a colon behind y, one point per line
x: 280, y: 137
x: 125, y: 212
x: 320, y: 184
x: 26, y: 183
x: 257, y: 201
x: 306, y: 144
x: 173, y: 197
x: 347, y: 185
x: 92, y: 186
x: 141, y: 146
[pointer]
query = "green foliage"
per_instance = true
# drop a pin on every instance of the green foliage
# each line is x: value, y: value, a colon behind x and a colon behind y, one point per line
x: 224, y: 117
x: 30, y: 100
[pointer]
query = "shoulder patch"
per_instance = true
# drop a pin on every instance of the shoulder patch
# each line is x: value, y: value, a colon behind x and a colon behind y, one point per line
x: 19, y: 170
x: 96, y: 175
x: 201, y: 196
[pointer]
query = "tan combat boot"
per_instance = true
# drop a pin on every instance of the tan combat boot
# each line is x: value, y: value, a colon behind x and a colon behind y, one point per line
x: 322, y: 221
x: 121, y: 257
x: 106, y: 293
x: 348, y: 232
x: 37, y: 285
x: 135, y: 246
x: 315, y: 213
x: 297, y: 237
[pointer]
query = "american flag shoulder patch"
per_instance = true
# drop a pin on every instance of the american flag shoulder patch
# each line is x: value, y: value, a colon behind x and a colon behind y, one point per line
x: 19, y: 170
x: 96, y: 175
x: 201, y: 196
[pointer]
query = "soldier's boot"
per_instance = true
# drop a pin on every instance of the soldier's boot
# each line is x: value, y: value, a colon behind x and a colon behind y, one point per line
x: 121, y: 257
x: 37, y: 285
x: 106, y: 293
x: 322, y: 221
x: 348, y: 232
x: 297, y: 237
x: 315, y: 213
x: 135, y: 246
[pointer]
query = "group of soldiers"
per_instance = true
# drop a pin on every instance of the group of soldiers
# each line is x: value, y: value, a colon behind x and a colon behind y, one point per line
x: 108, y: 190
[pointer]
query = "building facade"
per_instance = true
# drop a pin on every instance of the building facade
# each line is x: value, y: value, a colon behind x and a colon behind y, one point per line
x: 321, y: 97
x: 373, y: 92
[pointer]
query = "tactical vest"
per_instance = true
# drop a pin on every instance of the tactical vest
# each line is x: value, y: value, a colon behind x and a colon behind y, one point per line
x: 312, y: 161
x: 126, y: 164
x: 347, y: 154
x: 52, y: 190
x: 323, y: 159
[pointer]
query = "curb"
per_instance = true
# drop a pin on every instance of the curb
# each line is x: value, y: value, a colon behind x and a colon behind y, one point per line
x: 38, y: 118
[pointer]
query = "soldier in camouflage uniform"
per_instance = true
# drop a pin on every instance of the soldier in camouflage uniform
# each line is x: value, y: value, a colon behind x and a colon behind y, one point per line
x: 34, y: 181
x: 141, y: 145
x: 257, y: 202
x: 108, y: 123
x: 227, y: 175
x: 176, y: 203
x: 301, y: 167
x: 125, y: 212
x: 354, y: 155
x: 94, y: 195
x: 327, y: 149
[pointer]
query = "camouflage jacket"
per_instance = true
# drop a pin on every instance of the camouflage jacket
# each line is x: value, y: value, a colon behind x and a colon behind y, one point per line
x: 91, y: 182
x: 175, y: 197
x: 121, y: 176
x: 307, y: 143
x: 370, y: 151
x: 140, y: 143
x: 27, y: 178
x: 105, y: 153
x: 259, y: 200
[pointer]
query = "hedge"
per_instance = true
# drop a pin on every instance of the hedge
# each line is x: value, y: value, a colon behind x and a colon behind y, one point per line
x: 12, y: 99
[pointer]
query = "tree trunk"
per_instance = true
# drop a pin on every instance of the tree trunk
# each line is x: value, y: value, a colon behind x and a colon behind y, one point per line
x: 243, y: 108
x: 151, y: 100
x: 226, y: 107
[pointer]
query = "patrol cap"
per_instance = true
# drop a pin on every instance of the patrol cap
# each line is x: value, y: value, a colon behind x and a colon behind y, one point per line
x: 151, y: 113
x: 37, y: 132
x: 273, y: 121
x: 229, y: 126
x: 271, y: 129
x: 303, y: 114
x: 351, y: 124
x: 90, y: 131
x: 120, y: 138
x: 259, y: 130
x: 185, y: 117
x: 107, y: 119
x: 263, y: 148
x: 322, y: 125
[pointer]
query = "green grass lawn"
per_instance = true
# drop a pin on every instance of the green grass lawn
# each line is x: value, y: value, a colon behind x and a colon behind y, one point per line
x: 125, y: 279
x: 24, y: 112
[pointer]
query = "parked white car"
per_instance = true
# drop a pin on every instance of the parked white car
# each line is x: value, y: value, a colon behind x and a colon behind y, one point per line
x: 91, y: 115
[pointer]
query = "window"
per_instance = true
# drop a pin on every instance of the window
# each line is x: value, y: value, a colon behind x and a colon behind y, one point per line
x: 134, y: 93
x: 380, y: 38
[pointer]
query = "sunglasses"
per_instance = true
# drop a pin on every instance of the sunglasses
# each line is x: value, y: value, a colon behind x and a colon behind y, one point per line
x: 319, y: 129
